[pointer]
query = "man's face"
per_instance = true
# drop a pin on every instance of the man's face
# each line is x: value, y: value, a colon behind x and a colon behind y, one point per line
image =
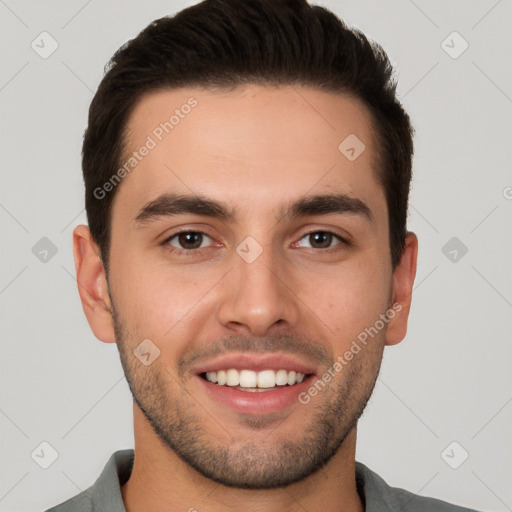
x: 254, y: 290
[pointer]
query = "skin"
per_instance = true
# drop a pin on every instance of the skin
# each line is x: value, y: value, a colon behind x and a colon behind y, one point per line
x: 256, y: 149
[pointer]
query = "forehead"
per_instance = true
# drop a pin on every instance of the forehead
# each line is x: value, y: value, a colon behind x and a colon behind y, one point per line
x: 251, y: 144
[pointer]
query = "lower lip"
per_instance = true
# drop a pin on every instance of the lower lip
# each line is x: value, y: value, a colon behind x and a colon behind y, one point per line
x: 256, y: 402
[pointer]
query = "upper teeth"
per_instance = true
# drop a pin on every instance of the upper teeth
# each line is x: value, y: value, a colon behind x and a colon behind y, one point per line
x: 252, y: 379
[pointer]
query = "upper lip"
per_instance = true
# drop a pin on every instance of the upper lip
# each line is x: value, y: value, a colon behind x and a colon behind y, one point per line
x: 254, y: 362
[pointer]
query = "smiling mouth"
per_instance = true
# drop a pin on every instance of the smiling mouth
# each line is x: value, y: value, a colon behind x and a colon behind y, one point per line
x: 255, y: 381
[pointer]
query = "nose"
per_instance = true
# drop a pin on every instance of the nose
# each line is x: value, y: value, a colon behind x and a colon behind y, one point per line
x: 258, y: 296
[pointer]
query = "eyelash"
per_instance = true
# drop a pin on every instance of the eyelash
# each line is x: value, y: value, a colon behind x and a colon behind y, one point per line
x: 343, y: 242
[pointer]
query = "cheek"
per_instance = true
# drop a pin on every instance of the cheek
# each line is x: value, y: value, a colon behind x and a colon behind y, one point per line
x: 349, y: 299
x: 156, y: 300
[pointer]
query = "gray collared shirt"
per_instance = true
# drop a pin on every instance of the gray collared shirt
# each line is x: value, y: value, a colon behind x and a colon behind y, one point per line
x: 376, y: 494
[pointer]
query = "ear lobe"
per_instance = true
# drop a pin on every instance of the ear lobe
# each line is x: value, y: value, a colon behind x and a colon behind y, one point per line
x: 92, y: 284
x: 403, y: 281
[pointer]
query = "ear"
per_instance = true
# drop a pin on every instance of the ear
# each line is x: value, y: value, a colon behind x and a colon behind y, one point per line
x: 403, y: 280
x: 92, y: 284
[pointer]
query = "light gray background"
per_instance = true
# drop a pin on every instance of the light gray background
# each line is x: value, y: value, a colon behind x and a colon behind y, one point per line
x: 450, y: 380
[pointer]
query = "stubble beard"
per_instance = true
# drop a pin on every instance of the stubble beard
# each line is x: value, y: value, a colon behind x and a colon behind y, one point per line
x: 183, y: 426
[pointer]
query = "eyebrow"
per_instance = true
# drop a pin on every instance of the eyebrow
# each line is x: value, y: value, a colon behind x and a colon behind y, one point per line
x: 167, y: 205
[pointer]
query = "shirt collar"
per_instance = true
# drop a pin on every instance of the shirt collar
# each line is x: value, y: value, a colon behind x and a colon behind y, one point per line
x: 106, y: 492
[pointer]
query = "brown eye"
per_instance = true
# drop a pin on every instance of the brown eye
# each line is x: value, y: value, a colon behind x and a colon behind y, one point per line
x: 187, y: 240
x: 320, y: 240
x: 324, y: 241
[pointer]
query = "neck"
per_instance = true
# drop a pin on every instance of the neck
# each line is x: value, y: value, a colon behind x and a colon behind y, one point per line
x: 161, y: 482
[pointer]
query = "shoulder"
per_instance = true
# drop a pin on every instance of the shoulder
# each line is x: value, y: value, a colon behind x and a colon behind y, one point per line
x: 105, y: 494
x: 380, y: 497
x: 80, y: 503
